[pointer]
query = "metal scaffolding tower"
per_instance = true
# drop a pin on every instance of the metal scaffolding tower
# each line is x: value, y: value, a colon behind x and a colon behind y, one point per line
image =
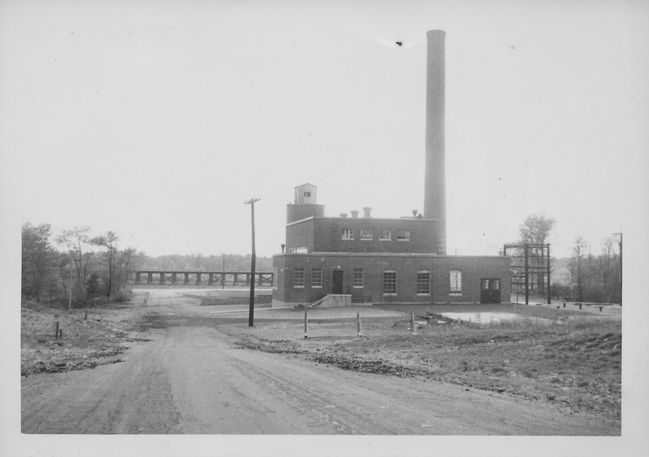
x: 530, y: 268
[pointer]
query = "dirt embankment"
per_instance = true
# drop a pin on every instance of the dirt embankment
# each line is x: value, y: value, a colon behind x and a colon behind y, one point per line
x: 86, y: 339
x: 574, y: 364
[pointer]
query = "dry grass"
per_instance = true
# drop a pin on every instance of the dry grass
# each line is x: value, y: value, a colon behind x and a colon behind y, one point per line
x: 85, y: 343
x: 572, y: 361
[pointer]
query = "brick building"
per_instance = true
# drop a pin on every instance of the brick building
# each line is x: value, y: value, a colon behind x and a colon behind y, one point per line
x: 379, y: 260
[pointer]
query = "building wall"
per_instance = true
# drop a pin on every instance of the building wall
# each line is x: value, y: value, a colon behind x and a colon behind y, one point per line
x: 300, y: 235
x: 326, y: 235
x: 297, y: 212
x: 473, y: 268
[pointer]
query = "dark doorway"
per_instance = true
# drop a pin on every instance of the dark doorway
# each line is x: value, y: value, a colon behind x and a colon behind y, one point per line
x: 490, y: 290
x: 337, y: 282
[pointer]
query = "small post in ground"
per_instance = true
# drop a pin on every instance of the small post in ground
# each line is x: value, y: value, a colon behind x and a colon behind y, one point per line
x: 56, y: 334
x: 358, y: 324
x: 412, y: 323
x: 306, y: 323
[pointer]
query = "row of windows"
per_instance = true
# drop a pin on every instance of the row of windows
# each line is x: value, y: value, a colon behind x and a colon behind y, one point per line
x: 316, y: 277
x: 389, y: 280
x: 423, y: 282
x: 422, y: 285
x: 368, y: 235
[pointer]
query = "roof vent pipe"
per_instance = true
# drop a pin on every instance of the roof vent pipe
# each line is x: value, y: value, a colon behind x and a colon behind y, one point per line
x: 367, y: 212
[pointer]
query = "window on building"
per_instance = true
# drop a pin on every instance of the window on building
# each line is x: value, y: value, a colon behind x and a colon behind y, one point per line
x: 307, y: 194
x: 366, y: 234
x: 316, y: 277
x: 298, y: 277
x: 275, y: 276
x: 403, y: 235
x: 456, y: 282
x: 299, y: 250
x: 348, y: 234
x: 386, y: 235
x: 358, y: 277
x: 423, y: 283
x: 389, y: 283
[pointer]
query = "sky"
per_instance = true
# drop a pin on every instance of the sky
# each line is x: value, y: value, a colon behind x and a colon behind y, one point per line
x: 158, y: 120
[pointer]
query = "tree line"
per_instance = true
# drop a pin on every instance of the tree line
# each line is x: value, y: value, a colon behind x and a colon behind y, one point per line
x: 74, y: 265
x: 80, y: 267
x: 595, y: 277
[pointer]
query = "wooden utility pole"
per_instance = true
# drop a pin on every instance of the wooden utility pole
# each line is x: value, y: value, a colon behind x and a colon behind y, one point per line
x: 549, y: 291
x: 68, y: 278
x: 223, y: 272
x: 620, y: 247
x: 621, y: 269
x: 251, y: 311
x: 527, y: 276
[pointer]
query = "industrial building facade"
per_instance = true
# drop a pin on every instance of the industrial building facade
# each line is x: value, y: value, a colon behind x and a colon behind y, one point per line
x: 377, y: 260
x: 381, y: 260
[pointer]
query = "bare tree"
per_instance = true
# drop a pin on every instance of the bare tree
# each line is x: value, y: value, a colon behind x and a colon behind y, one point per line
x: 578, y: 253
x: 77, y: 243
x: 109, y: 242
x: 536, y: 229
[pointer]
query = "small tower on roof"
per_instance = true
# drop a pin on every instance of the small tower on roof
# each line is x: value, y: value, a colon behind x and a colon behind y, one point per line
x: 306, y: 194
x: 305, y: 204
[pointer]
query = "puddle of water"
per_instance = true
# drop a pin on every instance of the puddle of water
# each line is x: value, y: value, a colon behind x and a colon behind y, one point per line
x: 491, y: 317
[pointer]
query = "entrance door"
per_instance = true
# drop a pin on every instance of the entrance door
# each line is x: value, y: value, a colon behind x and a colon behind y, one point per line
x: 337, y: 282
x: 489, y: 290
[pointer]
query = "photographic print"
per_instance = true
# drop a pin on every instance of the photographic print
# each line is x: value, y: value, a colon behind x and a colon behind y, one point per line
x: 275, y: 223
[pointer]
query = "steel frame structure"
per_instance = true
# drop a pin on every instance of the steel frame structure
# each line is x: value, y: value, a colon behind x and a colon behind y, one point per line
x: 530, y: 261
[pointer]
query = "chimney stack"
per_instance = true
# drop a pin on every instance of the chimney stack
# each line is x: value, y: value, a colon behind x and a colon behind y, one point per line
x: 435, y: 185
x: 367, y: 212
x: 354, y: 213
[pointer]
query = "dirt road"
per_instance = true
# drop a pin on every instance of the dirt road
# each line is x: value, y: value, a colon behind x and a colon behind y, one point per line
x: 191, y: 379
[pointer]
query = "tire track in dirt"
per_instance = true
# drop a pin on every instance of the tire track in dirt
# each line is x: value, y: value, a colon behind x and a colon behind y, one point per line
x: 190, y: 379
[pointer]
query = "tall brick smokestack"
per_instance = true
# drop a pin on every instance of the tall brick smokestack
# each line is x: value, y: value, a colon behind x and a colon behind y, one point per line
x: 435, y: 185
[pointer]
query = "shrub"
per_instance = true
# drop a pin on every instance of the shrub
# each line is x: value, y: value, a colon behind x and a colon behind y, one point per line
x: 560, y: 291
x: 123, y: 295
